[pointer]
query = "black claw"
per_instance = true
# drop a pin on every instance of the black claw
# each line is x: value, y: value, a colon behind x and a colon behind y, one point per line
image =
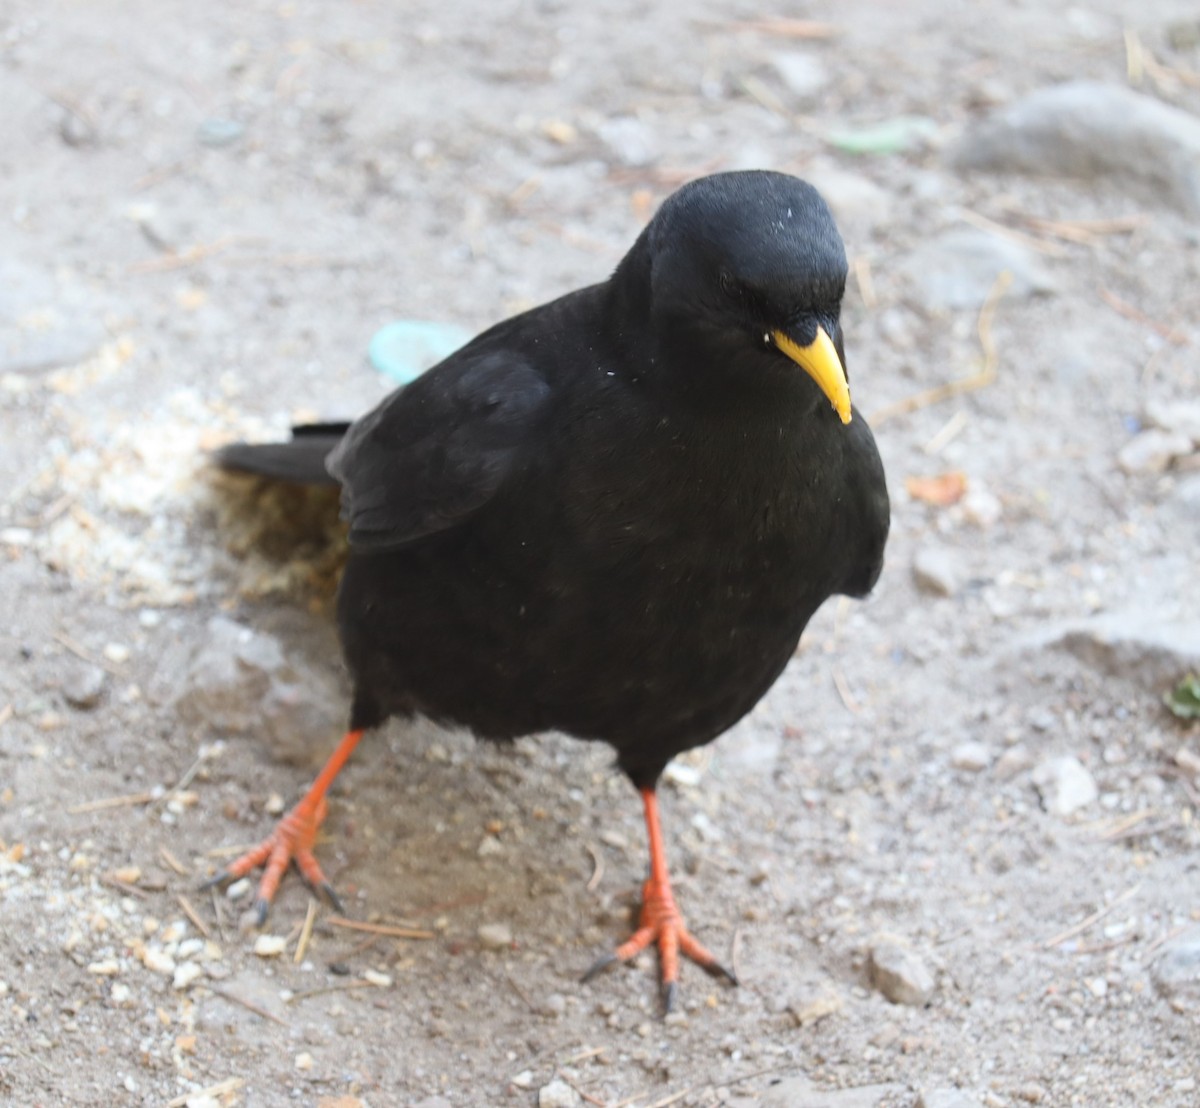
x: 670, y: 991
x: 331, y: 896
x: 261, y: 908
x: 718, y: 970
x: 216, y: 880
x: 598, y: 966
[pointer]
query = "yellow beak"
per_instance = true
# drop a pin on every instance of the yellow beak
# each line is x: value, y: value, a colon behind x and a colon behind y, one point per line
x: 821, y: 362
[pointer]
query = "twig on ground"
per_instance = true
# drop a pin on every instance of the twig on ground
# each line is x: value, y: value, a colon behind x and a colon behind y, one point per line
x: 130, y: 801
x: 1122, y: 307
x: 249, y: 1005
x: 597, y: 867
x: 193, y: 915
x: 174, y: 863
x: 229, y: 1085
x: 980, y: 380
x: 382, y: 929
x: 82, y: 652
x: 1095, y: 917
x: 305, y: 931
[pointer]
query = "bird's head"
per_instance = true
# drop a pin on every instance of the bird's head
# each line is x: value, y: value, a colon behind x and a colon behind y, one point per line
x: 751, y: 264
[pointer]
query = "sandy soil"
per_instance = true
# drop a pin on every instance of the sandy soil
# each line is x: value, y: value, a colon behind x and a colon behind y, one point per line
x: 206, y: 211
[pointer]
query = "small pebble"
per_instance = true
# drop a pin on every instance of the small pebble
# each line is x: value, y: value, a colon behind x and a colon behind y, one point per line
x: 84, y: 686
x: 1064, y: 785
x: 238, y: 889
x: 817, y: 1008
x: 270, y: 946
x: 107, y: 967
x: 490, y: 846
x: 937, y: 571
x: 304, y: 1061
x: 899, y: 974
x: 379, y: 980
x: 185, y: 975
x: 558, y: 1094
x: 971, y: 756
x: 1015, y: 760
x: 1153, y: 451
x: 495, y: 936
x: 1176, y: 971
x: 946, y: 1098
x: 219, y: 132
x: 158, y: 961
x: 981, y: 507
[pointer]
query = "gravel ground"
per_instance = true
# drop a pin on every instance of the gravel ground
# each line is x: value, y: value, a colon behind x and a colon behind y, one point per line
x: 952, y: 855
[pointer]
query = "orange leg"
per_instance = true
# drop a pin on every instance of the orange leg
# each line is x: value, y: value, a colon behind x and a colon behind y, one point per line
x: 293, y: 839
x: 660, y: 921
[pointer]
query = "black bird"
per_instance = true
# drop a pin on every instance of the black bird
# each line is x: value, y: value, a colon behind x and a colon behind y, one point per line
x: 611, y: 515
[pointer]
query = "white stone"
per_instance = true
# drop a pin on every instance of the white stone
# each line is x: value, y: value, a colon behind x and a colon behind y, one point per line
x: 1065, y: 785
x: 495, y: 936
x: 558, y: 1094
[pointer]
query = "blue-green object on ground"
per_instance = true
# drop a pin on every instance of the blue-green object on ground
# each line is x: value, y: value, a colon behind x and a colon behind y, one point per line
x: 892, y: 136
x: 407, y: 348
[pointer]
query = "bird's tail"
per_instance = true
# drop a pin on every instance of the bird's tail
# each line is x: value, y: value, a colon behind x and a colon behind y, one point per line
x: 301, y: 461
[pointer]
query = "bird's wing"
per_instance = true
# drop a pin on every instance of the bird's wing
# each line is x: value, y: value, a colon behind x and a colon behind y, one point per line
x: 437, y: 450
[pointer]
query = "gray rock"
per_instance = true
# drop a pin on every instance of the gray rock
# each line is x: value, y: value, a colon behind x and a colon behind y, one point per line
x: 958, y: 268
x: 558, y: 1094
x: 84, y: 686
x: 1065, y: 785
x: 1187, y: 492
x: 433, y: 1102
x: 1181, y: 417
x: 799, y: 1092
x: 1153, y: 451
x: 219, y: 132
x: 938, y: 570
x: 946, y: 1098
x: 1148, y: 647
x: 1176, y: 971
x: 70, y: 319
x: 630, y: 140
x: 898, y: 973
x: 238, y: 680
x: 852, y: 197
x: 1089, y: 129
x: 1016, y: 759
x: 805, y: 74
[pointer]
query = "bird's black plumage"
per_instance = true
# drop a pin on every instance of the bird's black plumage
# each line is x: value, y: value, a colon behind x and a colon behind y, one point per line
x: 614, y: 514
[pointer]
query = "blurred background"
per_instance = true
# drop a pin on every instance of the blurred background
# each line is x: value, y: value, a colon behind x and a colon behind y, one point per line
x: 953, y: 854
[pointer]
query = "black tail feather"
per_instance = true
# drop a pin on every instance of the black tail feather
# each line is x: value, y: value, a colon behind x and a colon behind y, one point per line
x: 301, y: 461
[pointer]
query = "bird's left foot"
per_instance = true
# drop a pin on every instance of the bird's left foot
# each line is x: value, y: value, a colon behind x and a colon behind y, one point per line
x: 661, y: 922
x: 291, y: 842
